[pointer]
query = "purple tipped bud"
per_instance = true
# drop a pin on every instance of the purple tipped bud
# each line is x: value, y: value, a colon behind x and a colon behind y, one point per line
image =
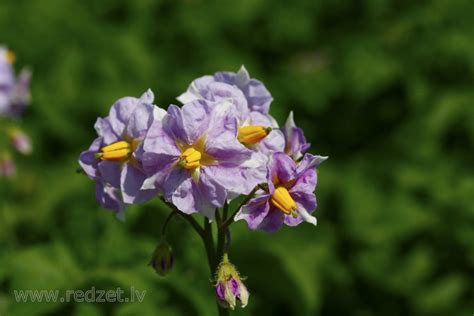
x: 229, y: 286
x: 162, y: 260
x: 20, y: 141
x: 7, y: 166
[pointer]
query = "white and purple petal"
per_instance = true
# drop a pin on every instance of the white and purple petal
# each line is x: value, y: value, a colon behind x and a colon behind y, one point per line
x: 273, y: 221
x: 282, y: 168
x: 188, y: 123
x: 226, y: 149
x: 309, y: 161
x: 196, y: 90
x: 198, y: 196
x: 120, y: 113
x: 159, y: 141
x: 255, y: 211
x: 140, y: 120
x: 296, y: 144
x: 89, y: 162
x: 110, y: 172
x: 105, y: 131
x: 257, y: 95
x: 131, y: 183
x: 109, y: 198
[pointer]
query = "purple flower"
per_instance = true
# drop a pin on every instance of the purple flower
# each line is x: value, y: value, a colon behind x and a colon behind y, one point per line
x: 114, y: 158
x: 296, y: 144
x: 14, y: 93
x: 289, y: 198
x: 256, y: 130
x: 257, y: 96
x: 7, y: 79
x: 229, y: 286
x: 195, y: 158
x: 7, y: 165
x: 20, y: 141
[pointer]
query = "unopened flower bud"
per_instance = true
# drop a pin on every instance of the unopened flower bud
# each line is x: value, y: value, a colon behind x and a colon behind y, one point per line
x: 229, y: 286
x: 162, y: 260
x: 7, y: 166
x: 20, y: 141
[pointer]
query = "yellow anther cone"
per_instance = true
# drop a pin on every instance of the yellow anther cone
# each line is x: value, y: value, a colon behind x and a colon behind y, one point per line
x: 117, y: 151
x: 282, y: 199
x: 190, y: 158
x: 252, y: 134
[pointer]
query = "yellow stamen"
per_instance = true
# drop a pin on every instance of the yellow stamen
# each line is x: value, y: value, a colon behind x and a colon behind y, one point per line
x: 117, y: 151
x: 190, y: 159
x: 282, y: 199
x: 252, y: 134
x: 10, y: 56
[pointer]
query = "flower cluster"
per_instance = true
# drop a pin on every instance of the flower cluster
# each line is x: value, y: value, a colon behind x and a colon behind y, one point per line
x: 14, y: 98
x: 220, y: 144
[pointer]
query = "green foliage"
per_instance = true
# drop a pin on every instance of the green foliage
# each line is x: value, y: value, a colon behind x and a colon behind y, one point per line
x: 382, y: 87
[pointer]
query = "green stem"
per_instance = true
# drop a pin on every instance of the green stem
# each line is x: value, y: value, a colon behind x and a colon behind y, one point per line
x: 222, y: 311
x: 225, y: 213
x: 167, y: 220
x: 208, y: 240
x: 187, y: 217
x: 220, y: 251
x: 209, y: 245
x: 221, y: 232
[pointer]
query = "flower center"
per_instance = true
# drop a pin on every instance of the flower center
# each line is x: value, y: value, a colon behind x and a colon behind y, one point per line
x: 117, y: 151
x: 10, y: 56
x: 282, y: 199
x: 252, y: 134
x: 190, y: 159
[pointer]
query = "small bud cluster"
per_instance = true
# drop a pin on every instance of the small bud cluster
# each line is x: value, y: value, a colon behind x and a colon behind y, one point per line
x: 14, y: 98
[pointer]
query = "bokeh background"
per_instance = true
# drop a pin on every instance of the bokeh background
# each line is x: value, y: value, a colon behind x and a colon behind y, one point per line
x: 385, y: 88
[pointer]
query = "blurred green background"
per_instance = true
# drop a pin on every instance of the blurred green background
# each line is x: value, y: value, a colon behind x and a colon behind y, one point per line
x: 385, y: 88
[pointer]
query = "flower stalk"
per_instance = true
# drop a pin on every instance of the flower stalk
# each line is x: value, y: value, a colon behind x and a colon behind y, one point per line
x: 213, y: 251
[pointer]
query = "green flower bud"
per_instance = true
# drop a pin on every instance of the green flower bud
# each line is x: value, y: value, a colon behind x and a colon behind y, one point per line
x: 162, y: 260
